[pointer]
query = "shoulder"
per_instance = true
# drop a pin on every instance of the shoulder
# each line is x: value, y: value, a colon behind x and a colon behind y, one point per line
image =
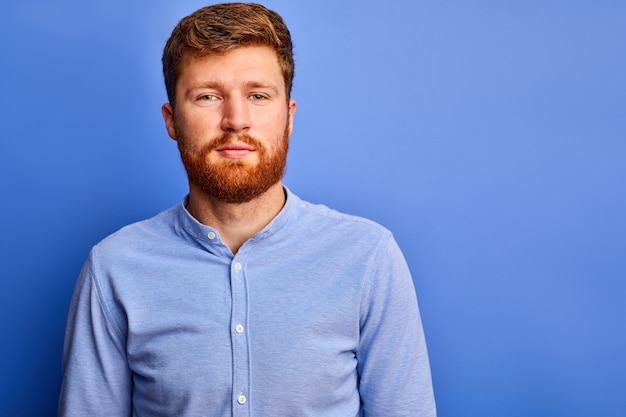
x: 319, y: 218
x: 121, y: 264
x: 159, y: 228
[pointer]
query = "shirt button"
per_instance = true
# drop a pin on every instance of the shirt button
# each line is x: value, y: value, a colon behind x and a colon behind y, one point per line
x: 211, y: 235
x: 238, y: 266
x: 241, y: 399
x: 239, y: 328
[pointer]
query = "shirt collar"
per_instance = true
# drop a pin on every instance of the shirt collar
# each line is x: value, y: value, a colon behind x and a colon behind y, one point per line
x: 209, y: 237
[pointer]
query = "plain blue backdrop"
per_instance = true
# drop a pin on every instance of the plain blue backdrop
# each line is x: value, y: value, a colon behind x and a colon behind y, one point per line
x: 489, y: 136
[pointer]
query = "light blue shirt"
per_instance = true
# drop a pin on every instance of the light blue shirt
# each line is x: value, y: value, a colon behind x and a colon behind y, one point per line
x: 316, y: 315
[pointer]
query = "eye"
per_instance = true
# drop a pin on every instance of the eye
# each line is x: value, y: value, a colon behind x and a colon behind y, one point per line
x: 258, y: 97
x: 207, y: 97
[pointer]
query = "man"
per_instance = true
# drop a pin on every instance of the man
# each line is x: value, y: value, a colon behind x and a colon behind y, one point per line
x: 244, y: 300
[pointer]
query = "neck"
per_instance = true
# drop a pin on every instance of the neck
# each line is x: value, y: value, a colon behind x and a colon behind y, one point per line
x: 236, y: 222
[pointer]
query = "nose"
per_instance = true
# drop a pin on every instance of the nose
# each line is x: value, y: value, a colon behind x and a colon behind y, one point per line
x: 236, y: 115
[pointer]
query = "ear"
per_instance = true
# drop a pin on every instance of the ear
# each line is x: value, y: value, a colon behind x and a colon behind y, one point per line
x: 168, y: 116
x: 292, y: 112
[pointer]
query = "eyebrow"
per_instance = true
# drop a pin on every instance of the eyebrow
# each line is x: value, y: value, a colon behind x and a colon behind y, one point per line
x: 256, y: 84
x: 220, y: 86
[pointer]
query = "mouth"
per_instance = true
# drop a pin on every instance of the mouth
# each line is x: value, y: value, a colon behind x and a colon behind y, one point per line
x: 236, y: 146
x: 235, y: 150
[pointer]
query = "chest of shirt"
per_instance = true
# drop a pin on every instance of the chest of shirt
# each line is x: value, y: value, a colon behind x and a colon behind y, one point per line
x: 196, y: 324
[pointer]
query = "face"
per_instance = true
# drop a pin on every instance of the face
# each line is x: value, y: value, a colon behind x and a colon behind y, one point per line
x: 232, y: 122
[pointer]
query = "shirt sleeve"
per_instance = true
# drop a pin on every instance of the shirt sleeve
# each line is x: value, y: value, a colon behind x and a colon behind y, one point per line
x: 394, y: 370
x: 96, y: 378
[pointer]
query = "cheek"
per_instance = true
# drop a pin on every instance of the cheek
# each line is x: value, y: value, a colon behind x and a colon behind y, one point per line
x: 275, y: 130
x: 194, y: 128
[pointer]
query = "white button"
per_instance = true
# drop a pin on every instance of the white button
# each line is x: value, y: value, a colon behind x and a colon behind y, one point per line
x: 238, y: 266
x: 239, y: 328
x: 211, y: 235
x: 241, y: 399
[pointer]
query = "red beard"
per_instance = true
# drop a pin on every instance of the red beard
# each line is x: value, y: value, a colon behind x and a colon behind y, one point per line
x: 233, y: 181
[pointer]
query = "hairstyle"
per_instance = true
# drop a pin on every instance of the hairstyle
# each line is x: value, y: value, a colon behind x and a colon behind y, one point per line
x: 220, y: 28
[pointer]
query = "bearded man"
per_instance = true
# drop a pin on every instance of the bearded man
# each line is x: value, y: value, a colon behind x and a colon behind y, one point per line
x: 244, y: 300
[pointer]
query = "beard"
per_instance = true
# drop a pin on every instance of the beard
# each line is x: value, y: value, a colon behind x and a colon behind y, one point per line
x: 233, y: 181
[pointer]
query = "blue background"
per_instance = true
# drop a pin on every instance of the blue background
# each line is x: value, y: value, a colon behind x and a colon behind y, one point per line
x: 489, y: 136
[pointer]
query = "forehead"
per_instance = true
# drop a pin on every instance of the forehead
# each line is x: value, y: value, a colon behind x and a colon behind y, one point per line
x: 243, y: 64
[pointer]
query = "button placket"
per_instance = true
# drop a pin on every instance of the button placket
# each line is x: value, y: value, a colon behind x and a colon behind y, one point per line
x: 240, y: 354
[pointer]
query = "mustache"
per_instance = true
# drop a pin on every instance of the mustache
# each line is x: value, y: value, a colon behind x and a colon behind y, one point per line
x: 227, y: 138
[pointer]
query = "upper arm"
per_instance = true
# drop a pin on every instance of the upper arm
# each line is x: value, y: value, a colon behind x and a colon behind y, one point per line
x: 392, y: 358
x: 96, y: 378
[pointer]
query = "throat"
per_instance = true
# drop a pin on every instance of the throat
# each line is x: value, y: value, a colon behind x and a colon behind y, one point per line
x: 237, y: 222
